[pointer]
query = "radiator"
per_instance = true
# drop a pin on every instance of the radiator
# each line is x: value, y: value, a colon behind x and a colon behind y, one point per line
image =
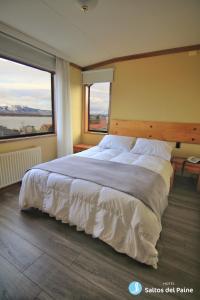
x: 13, y: 165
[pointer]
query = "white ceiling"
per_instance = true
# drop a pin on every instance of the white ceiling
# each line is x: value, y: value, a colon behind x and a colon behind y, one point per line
x: 113, y: 28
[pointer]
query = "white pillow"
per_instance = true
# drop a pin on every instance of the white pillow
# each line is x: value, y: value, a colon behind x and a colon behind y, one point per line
x: 117, y: 142
x: 157, y: 148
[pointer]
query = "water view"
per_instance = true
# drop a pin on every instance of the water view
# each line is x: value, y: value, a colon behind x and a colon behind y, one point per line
x: 25, y: 99
x: 20, y: 122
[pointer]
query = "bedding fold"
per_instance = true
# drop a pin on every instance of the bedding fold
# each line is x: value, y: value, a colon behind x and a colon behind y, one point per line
x: 139, y: 182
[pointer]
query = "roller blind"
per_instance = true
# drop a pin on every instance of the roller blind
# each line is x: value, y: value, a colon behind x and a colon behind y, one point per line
x: 25, y: 53
x: 94, y: 76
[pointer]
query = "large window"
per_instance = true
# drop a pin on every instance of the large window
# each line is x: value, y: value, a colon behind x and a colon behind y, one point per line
x: 98, y: 96
x: 26, y: 100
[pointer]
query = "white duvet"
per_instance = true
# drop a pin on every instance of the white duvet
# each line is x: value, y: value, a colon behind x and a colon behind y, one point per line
x: 118, y: 219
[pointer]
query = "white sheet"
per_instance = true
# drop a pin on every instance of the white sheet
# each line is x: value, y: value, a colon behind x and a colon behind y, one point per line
x: 118, y: 219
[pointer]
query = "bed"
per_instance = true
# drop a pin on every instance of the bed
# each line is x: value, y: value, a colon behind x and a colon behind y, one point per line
x: 114, y: 216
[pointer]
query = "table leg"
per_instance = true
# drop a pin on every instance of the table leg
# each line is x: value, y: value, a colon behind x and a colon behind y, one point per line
x: 172, y: 177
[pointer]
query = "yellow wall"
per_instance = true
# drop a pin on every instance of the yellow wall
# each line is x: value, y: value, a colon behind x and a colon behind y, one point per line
x: 48, y: 144
x: 76, y: 96
x: 161, y: 88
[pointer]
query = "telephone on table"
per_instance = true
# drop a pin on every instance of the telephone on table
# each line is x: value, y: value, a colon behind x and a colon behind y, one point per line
x: 193, y: 159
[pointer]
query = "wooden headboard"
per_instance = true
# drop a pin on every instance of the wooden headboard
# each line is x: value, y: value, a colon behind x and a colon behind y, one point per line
x: 166, y: 131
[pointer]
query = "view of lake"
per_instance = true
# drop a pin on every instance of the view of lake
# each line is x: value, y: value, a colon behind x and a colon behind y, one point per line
x: 16, y: 122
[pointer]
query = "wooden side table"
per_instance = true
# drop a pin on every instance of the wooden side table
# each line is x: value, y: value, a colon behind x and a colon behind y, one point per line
x: 181, y: 164
x: 193, y: 169
x: 81, y: 147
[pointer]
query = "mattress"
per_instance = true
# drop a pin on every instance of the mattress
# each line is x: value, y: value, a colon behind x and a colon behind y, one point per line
x: 118, y: 219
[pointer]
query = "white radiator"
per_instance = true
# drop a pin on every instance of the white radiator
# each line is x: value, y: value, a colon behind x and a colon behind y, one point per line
x: 13, y: 165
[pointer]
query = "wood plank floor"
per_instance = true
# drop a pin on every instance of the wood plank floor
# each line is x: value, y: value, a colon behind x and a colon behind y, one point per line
x: 41, y: 258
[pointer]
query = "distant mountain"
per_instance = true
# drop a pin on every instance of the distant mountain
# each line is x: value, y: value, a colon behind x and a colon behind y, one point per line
x: 23, y: 110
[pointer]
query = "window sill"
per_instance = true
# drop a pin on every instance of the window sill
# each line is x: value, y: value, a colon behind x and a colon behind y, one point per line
x: 11, y: 140
x: 95, y: 132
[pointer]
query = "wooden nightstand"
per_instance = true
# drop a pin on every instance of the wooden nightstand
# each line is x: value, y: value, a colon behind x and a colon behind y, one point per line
x: 181, y: 164
x: 81, y: 147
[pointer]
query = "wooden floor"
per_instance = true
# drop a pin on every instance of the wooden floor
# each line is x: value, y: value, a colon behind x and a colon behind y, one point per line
x: 41, y: 258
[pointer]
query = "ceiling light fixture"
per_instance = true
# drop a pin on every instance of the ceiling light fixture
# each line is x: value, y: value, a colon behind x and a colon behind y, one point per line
x: 86, y: 5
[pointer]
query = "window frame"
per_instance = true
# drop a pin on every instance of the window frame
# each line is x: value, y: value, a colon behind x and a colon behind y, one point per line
x: 53, y: 131
x: 87, y: 110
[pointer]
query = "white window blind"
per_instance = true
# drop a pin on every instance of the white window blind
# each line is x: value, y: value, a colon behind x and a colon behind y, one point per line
x: 94, y: 76
x: 15, y: 49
